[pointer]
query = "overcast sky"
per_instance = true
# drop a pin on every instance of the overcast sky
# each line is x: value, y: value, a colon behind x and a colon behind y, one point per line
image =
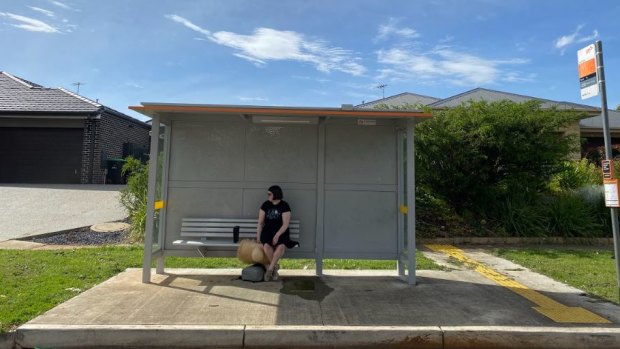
x: 305, y: 53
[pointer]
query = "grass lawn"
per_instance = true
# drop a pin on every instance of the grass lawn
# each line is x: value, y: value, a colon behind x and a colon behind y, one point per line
x: 589, y: 270
x: 36, y: 281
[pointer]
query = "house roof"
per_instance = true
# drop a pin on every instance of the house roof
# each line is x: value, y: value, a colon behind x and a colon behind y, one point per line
x: 19, y: 95
x: 596, y: 122
x: 482, y: 94
x: 401, y: 99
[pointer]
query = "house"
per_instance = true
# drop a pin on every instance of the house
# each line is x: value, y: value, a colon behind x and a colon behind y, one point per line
x: 590, y: 128
x: 51, y: 135
x: 592, y: 133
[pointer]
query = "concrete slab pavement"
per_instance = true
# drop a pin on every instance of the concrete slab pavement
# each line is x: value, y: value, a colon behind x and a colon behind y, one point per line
x: 33, y: 209
x: 213, y: 308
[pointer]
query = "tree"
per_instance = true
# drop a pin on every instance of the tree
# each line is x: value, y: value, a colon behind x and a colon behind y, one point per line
x: 477, y: 154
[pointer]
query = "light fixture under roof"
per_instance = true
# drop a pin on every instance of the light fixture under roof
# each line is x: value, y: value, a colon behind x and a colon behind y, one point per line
x: 292, y: 120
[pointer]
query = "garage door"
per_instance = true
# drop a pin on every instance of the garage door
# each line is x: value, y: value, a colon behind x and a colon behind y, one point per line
x: 40, y: 155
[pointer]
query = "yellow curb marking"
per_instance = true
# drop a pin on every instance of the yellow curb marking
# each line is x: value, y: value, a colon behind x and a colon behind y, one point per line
x: 545, y: 305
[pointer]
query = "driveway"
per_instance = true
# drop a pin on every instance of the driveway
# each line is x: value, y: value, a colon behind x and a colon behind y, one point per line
x: 33, y: 209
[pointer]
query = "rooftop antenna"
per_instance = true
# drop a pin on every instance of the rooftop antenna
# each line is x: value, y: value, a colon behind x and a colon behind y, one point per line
x: 78, y: 85
x: 382, y: 87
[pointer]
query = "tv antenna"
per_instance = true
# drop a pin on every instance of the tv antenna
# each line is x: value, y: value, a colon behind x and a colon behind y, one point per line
x: 382, y: 87
x: 78, y: 85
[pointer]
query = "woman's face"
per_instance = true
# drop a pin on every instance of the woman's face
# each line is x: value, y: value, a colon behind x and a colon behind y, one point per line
x: 270, y: 196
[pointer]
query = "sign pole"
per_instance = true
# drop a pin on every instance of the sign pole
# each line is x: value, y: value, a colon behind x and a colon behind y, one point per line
x: 600, y: 72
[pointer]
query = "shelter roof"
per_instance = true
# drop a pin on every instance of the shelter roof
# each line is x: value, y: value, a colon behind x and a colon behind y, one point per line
x: 151, y: 109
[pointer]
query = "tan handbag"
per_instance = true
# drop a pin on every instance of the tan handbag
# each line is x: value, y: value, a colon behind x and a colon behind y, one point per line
x: 251, y: 252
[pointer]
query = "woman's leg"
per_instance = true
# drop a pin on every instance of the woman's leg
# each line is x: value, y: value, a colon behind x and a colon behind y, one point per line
x: 277, y: 254
x: 268, y: 251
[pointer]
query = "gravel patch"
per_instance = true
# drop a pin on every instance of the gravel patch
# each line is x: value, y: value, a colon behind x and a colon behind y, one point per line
x: 84, y: 236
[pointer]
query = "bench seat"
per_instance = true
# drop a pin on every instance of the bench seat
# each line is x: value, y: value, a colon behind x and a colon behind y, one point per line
x: 218, y: 232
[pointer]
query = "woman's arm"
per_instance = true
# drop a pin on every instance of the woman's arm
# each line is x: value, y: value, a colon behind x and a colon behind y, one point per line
x: 260, y: 225
x: 286, y: 220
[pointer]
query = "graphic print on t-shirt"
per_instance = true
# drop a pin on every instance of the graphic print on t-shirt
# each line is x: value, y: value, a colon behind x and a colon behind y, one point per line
x: 273, y: 214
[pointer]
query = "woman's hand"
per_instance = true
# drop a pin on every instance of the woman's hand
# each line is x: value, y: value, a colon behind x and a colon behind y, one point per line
x: 275, y: 239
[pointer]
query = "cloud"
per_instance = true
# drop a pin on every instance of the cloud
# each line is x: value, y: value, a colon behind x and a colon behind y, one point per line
x: 563, y: 41
x: 441, y: 65
x: 386, y: 30
x: 519, y: 77
x: 30, y: 24
x: 254, y: 99
x: 188, y: 24
x: 266, y: 44
x: 60, y: 4
x: 43, y: 11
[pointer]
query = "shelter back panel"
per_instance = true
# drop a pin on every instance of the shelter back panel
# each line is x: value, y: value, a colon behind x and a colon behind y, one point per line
x: 360, y: 197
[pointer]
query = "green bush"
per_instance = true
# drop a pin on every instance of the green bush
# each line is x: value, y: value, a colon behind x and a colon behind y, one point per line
x: 570, y: 215
x: 595, y: 197
x: 133, y: 197
x: 522, y: 216
x: 435, y: 218
x: 479, y: 153
x: 575, y: 175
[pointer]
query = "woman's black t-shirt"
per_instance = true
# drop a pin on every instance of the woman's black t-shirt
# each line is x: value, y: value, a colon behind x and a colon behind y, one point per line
x: 273, y: 223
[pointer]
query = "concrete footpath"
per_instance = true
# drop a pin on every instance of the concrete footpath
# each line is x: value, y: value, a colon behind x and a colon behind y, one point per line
x: 34, y: 209
x: 462, y: 307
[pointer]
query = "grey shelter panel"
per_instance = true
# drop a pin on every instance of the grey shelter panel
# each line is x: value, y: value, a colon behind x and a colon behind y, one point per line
x: 360, y: 154
x: 207, y: 151
x: 360, y: 197
x: 199, y: 202
x: 360, y: 224
x: 281, y: 153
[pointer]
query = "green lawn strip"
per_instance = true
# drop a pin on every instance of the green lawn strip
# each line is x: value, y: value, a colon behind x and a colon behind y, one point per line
x: 33, y: 282
x: 36, y: 281
x: 589, y: 270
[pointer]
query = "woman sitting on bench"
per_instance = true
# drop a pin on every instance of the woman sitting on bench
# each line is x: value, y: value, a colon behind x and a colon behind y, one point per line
x: 272, y: 231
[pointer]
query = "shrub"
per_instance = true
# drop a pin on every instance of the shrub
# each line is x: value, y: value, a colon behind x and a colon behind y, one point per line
x: 595, y: 197
x: 575, y: 175
x: 435, y: 218
x: 522, y: 216
x: 481, y: 150
x: 570, y: 215
x: 133, y: 197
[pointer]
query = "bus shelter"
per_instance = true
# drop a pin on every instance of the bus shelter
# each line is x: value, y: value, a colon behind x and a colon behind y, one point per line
x: 348, y: 175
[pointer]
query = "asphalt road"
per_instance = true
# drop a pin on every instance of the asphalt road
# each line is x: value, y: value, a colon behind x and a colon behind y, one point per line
x: 34, y: 209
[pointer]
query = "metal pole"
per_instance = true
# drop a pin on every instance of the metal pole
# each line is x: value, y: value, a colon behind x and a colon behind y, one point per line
x: 150, y: 202
x: 600, y: 74
x: 411, y: 261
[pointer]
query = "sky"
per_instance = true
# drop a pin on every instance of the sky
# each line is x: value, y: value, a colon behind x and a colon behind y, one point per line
x: 305, y: 53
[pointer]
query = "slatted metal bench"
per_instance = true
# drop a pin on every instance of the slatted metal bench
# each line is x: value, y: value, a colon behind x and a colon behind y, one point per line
x: 203, y: 233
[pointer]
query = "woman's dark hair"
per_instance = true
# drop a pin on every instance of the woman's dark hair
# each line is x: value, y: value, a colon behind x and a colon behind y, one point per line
x: 276, y: 191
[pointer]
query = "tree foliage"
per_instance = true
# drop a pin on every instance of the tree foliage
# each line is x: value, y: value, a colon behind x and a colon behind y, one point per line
x: 478, y: 154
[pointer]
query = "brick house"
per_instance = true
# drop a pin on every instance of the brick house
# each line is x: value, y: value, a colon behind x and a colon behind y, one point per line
x: 51, y: 135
